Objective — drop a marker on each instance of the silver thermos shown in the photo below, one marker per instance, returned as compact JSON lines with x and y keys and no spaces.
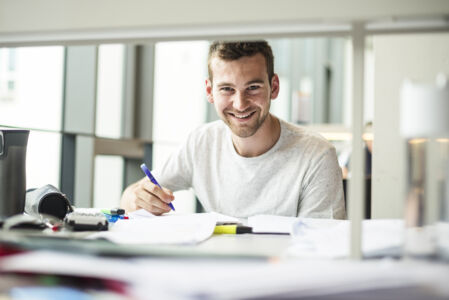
{"x":425,"y":127}
{"x":13,"y":146}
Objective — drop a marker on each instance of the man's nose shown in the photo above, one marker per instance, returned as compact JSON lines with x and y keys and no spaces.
{"x":240,"y":102}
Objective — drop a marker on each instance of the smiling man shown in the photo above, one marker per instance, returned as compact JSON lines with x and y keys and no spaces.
{"x":250,"y":162}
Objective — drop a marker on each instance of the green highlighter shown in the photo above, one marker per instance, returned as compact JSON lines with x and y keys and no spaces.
{"x":113,"y":211}
{"x":232,"y":229}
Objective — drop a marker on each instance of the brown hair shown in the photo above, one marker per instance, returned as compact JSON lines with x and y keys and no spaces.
{"x":236,"y":50}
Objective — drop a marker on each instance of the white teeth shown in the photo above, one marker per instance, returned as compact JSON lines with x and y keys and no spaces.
{"x":242,"y":117}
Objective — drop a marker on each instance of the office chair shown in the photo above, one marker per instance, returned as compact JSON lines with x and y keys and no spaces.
{"x":367,"y":196}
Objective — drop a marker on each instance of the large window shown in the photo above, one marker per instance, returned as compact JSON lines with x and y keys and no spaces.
{"x":110,"y":83}
{"x":31,"y":88}
{"x":313,"y":74}
{"x":179,"y":101}
{"x":31,"y":85}
{"x":108,"y":177}
{"x":108,"y":181}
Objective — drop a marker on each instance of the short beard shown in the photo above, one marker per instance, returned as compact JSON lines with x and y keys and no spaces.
{"x":246,"y":131}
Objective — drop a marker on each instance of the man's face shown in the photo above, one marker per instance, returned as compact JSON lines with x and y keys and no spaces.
{"x":241,"y":92}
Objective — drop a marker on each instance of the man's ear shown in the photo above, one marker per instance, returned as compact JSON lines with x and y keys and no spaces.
{"x":209,"y":95}
{"x":274,"y":86}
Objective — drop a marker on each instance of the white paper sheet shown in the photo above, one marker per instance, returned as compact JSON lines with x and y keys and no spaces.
{"x":329,"y":238}
{"x":140,"y":213}
{"x":162,"y":230}
{"x":320,"y":238}
{"x":271,"y":224}
{"x":220,"y":218}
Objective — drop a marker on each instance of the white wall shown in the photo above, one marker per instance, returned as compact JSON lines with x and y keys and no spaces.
{"x":418,"y":57}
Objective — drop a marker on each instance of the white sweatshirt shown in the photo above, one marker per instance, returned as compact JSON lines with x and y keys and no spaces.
{"x":298,"y":176}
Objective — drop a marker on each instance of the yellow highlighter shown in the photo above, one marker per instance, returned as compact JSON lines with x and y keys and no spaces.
{"x":232,"y":229}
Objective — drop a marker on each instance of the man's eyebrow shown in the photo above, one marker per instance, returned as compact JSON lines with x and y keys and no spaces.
{"x":220,"y":84}
{"x":255,"y":81}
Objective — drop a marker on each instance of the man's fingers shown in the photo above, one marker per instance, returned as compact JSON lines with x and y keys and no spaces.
{"x":164,"y":194}
{"x":167,"y":191}
{"x":144,"y":197}
{"x":151,"y":197}
{"x":154,"y":206}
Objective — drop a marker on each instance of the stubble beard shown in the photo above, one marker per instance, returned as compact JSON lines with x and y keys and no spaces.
{"x":245,"y":130}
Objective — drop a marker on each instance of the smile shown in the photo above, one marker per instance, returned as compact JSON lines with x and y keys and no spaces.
{"x":242,"y":116}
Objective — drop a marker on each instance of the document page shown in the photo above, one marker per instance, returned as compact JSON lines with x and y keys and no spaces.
{"x":329,"y":238}
{"x":271,"y":224}
{"x":173,"y":228}
{"x":161,"y":230}
{"x":220,"y":218}
{"x":321,"y":238}
{"x":140,"y":213}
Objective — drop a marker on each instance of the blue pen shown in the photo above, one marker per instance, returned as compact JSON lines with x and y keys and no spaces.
{"x":153,"y":180}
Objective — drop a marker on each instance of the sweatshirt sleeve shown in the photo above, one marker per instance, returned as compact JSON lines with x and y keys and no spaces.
{"x":322,"y":194}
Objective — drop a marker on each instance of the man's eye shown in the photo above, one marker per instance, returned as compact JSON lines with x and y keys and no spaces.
{"x":226,"y":89}
{"x":253,"y":87}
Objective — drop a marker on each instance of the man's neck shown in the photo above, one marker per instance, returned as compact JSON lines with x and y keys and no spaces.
{"x":262,"y":141}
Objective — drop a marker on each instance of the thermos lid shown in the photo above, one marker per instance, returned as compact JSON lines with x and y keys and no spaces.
{"x":12,"y":137}
{"x":3,"y":128}
{"x":424,"y":109}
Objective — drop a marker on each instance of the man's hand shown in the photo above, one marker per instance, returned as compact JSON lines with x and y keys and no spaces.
{"x":147,"y":195}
